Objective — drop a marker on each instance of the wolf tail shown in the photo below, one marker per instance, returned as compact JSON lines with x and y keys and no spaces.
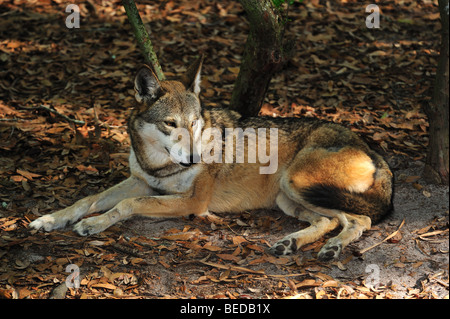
{"x":375,"y":203}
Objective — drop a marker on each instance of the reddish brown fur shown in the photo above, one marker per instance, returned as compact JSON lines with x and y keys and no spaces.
{"x":347,"y":168}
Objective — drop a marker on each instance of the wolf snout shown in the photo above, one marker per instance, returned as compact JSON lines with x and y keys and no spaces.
{"x":189,"y":162}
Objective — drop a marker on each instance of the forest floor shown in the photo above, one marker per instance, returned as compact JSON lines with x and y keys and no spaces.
{"x":374,"y":81}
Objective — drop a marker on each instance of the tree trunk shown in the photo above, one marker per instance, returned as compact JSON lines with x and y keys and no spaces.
{"x":263,"y":56}
{"x":144,"y":42}
{"x":437,"y":165}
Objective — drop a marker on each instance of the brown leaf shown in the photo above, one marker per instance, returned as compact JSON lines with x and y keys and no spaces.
{"x":27,"y":175}
{"x":18,"y":178}
{"x":87,"y":169}
{"x":412,"y":179}
{"x":396,"y":238}
{"x":180,"y":236}
{"x":136,"y":260}
{"x":229,"y":257}
{"x":211,"y":247}
{"x":307,"y":283}
{"x":104,"y":286}
{"x":330,"y":283}
{"x":237,"y":240}
{"x":166,"y":265}
{"x":277,"y":260}
{"x":234,"y":70}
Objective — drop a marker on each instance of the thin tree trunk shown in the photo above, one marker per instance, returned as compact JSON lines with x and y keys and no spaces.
{"x":263,"y":56}
{"x":437,"y":161}
{"x":145,"y":44}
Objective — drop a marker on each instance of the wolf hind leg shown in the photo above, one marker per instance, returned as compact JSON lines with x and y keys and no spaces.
{"x":319,"y":226}
{"x":131,"y":187}
{"x":348,"y":169}
{"x":352,"y":228}
{"x":351,"y":231}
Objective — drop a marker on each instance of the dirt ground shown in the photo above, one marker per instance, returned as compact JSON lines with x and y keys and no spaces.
{"x":412,"y":263}
{"x":373,"y":81}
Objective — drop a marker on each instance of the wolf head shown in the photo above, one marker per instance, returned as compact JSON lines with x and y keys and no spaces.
{"x":168,"y":118}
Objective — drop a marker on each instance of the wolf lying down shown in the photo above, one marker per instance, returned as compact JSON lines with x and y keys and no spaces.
{"x":325,"y":175}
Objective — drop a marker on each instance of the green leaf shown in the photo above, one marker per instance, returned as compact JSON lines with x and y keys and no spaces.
{"x":279,"y":3}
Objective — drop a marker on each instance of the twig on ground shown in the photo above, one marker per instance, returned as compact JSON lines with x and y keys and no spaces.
{"x":43,"y":107}
{"x":387,"y":238}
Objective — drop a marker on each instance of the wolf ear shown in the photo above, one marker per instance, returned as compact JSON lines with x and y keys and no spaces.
{"x":146,"y":85}
{"x":191,"y":79}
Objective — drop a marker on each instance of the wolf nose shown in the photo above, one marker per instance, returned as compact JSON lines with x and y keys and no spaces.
{"x":191,"y":161}
{"x":185,"y":164}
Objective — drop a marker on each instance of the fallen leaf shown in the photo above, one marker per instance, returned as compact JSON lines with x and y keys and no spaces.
{"x":330,"y":283}
{"x":18,"y":178}
{"x":87,"y":169}
{"x":180,"y":236}
{"x":412,"y":179}
{"x":21,"y":264}
{"x":307,"y":283}
{"x":426,"y":193}
{"x":211,"y":247}
{"x":277,"y":260}
{"x":396,"y":238}
{"x":241,"y":223}
{"x":104,"y":286}
{"x":27,"y":175}
{"x":234,"y":70}
{"x":229,"y":257}
{"x":237,"y":240}
{"x":136,"y":260}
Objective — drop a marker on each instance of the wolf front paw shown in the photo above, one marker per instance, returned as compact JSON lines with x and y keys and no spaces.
{"x":331,"y":250}
{"x":283,"y":247}
{"x":47,"y":222}
{"x":88,"y":226}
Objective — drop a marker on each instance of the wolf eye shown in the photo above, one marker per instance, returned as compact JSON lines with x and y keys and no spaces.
{"x":170,"y":123}
{"x":194,"y":123}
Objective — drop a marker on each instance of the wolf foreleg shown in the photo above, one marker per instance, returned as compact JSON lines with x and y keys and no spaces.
{"x":151,"y":206}
{"x":131,"y":187}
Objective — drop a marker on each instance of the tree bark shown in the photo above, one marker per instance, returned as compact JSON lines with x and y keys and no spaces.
{"x":437,"y":161}
{"x":144,"y":42}
{"x":263,"y":55}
